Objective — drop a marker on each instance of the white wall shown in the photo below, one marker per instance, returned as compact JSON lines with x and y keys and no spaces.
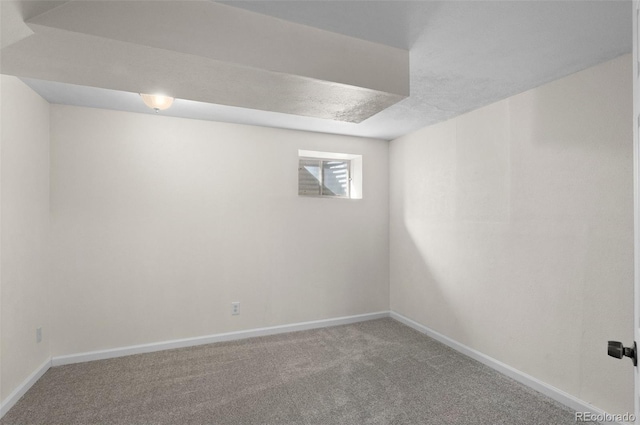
{"x":512,"y":231}
{"x":160,"y":223}
{"x":25,"y":286}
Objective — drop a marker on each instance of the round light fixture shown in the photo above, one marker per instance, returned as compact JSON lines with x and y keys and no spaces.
{"x":157,"y":102}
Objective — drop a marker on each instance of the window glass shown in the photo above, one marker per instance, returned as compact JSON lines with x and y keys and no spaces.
{"x":335,"y":178}
{"x":309,"y":177}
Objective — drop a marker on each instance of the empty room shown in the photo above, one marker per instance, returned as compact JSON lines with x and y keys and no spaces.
{"x":319,"y":212}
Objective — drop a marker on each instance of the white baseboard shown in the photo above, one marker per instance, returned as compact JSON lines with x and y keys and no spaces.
{"x":208,"y":339}
{"x":534,"y":383}
{"x":23,"y":388}
{"x":13,"y":398}
{"x":528,"y":380}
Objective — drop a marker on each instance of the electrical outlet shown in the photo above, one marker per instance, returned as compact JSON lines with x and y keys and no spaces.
{"x":235,"y":308}
{"x":38,"y":335}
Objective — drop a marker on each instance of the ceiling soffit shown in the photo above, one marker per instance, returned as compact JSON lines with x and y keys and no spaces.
{"x":210,"y":52}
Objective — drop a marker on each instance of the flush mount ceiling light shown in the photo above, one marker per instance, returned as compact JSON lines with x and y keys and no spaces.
{"x":157,"y":102}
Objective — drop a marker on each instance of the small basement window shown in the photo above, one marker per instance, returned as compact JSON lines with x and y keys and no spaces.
{"x":324,"y":177}
{"x":325,"y":174}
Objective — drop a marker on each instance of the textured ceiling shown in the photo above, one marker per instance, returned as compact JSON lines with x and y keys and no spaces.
{"x":213,"y":53}
{"x":463,"y":55}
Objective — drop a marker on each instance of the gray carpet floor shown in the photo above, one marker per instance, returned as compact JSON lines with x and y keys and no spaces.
{"x":375,"y":372}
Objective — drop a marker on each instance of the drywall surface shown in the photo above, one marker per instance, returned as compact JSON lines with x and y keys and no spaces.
{"x":24,"y":240}
{"x":511,"y":231}
{"x":160,"y":223}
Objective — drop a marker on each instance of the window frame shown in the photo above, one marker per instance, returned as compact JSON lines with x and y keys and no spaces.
{"x":321,"y":162}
